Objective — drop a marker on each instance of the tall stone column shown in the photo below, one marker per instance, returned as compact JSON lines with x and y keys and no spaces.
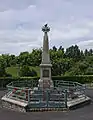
{"x":45,"y":66}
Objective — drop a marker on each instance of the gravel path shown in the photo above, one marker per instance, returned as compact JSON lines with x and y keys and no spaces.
{"x":85,"y":113}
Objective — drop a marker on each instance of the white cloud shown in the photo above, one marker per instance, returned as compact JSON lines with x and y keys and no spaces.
{"x":16,"y":41}
{"x":69,"y":34}
{"x":14,"y":4}
{"x":21,"y":21}
{"x":86,"y":44}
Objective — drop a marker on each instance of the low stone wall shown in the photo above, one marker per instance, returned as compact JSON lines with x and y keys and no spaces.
{"x":12,"y":106}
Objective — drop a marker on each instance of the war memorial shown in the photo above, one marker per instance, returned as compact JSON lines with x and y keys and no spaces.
{"x":46,"y":95}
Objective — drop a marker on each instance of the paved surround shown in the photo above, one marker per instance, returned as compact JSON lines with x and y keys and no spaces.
{"x":84,"y":113}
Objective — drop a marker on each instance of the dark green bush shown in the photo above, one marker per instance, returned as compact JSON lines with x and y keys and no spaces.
{"x":26,"y":71}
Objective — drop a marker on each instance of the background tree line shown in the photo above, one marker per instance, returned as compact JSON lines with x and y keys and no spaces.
{"x":71,"y":61}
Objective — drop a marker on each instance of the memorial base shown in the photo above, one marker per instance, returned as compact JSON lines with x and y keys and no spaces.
{"x":45,"y":84}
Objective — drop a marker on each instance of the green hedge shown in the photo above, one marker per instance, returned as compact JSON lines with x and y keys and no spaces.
{"x":6,"y":80}
{"x":81,"y":79}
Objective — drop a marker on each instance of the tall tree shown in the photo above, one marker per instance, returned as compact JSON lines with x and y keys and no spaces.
{"x":86,"y":52}
{"x":54,"y":48}
{"x":90,"y":52}
{"x":73,"y":52}
{"x":3,"y":65}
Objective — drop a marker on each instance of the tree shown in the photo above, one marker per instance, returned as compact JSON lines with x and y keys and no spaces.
{"x":36,"y":57}
{"x":22,"y":58}
{"x":3,"y":65}
{"x":26,"y":71}
{"x":82,"y":66}
{"x":61,"y":48}
{"x":73,"y":61}
{"x":82,"y":55}
{"x":90,"y":52}
{"x":54,"y":48}
{"x":78,"y":68}
{"x":89,"y":71}
{"x":13,"y":60}
{"x":60,"y":66}
{"x":86,"y":53}
{"x":73,"y":52}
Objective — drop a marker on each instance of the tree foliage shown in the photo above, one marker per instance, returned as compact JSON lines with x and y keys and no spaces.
{"x":71,"y":61}
{"x":26,"y":71}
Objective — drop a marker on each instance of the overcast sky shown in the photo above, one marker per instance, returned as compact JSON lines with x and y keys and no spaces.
{"x":71,"y":22}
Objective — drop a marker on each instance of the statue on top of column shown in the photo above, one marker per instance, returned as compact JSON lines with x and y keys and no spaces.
{"x":45,"y":28}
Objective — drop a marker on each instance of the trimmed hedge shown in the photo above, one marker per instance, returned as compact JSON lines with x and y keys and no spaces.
{"x":6,"y":80}
{"x":81,"y":79}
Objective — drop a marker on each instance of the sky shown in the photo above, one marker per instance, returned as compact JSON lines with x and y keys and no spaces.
{"x":70,"y":21}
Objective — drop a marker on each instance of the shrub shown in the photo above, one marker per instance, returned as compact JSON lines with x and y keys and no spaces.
{"x":26,"y":71}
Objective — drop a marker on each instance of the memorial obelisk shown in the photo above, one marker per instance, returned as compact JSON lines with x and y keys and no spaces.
{"x":45,"y":81}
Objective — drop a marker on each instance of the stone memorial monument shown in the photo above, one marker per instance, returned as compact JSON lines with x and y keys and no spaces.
{"x":46,"y":96}
{"x":45,"y":80}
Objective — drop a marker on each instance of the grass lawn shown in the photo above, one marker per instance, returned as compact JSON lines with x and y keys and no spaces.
{"x":14,"y":70}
